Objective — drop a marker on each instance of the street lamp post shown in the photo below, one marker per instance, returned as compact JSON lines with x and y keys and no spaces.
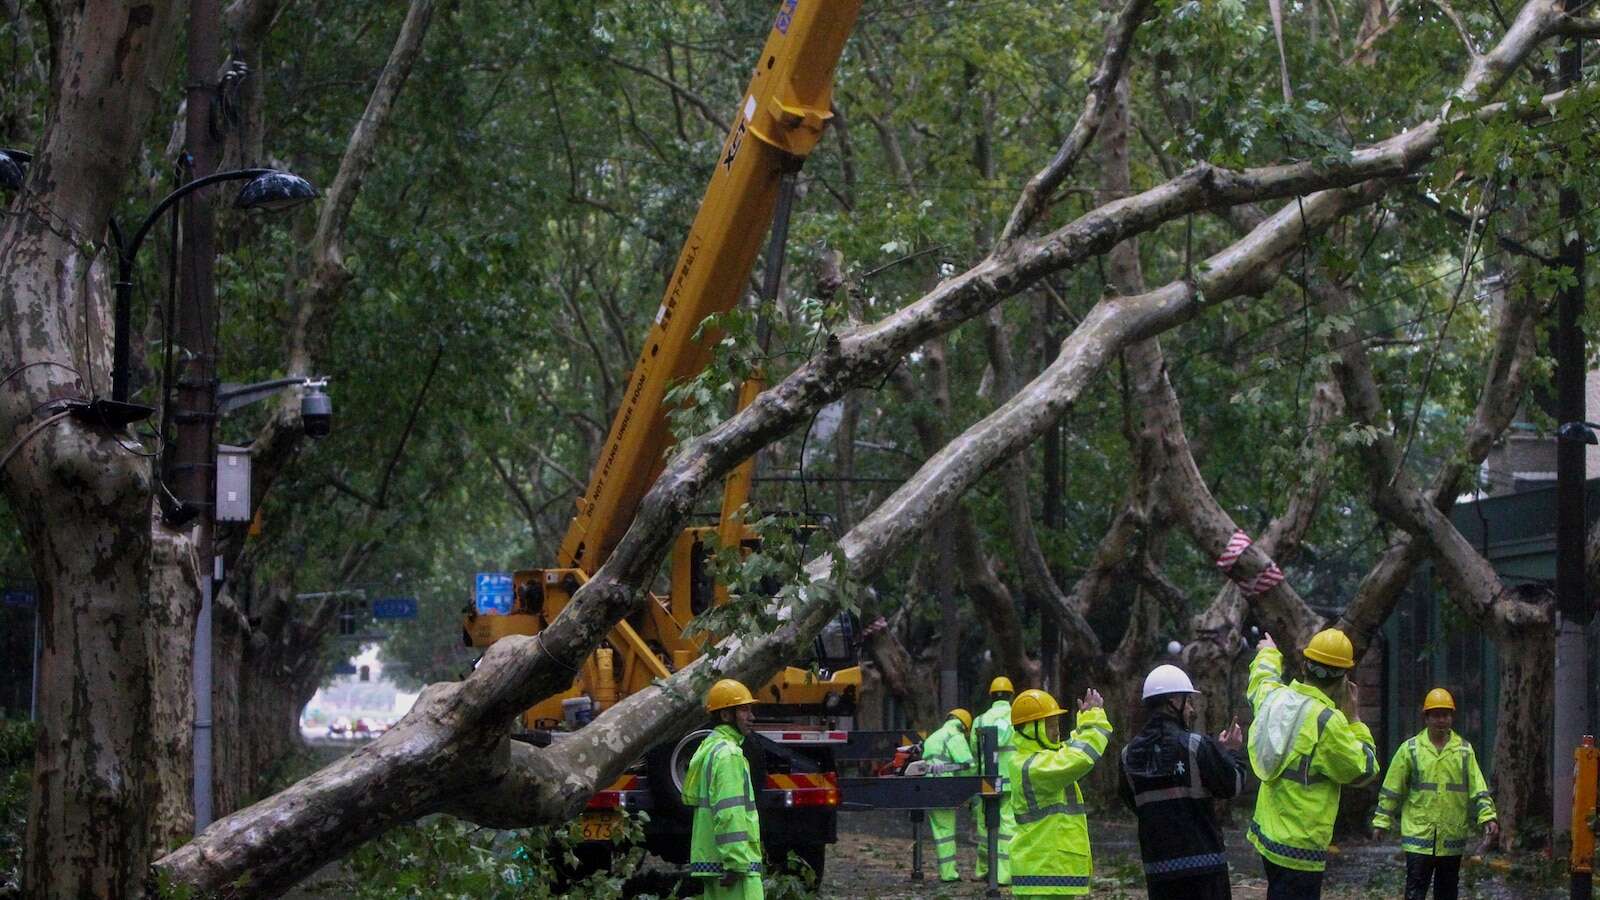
{"x":316,"y":410}
{"x":266,"y":189}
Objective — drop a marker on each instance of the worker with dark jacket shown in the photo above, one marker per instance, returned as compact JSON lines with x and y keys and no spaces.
{"x":1170,"y":776}
{"x":725,"y":845}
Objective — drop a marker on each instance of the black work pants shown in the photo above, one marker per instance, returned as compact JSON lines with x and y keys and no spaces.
{"x":1210,"y":886}
{"x":1291,"y":884}
{"x":1443,"y":872}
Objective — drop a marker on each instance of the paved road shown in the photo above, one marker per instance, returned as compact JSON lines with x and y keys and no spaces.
{"x":872,"y":861}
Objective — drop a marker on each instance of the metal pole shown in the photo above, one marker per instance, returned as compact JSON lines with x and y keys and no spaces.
{"x":1573,"y":611}
{"x":33,"y":701}
{"x":121,"y":322}
{"x":197,"y":387}
{"x":989,"y":749}
{"x":916,"y":843}
{"x":202,"y":689}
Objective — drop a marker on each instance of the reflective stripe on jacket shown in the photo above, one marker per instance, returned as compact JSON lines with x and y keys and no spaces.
{"x":1302,"y":748}
{"x":947,"y":747}
{"x":1440,"y":795}
{"x":727,"y":830}
{"x":1050,"y":851}
{"x":1170,"y":778}
{"x":998,"y":715}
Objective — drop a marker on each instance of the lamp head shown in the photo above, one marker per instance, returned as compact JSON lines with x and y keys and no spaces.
{"x":1582,"y":432}
{"x":13,"y":169}
{"x":316,"y":409}
{"x":275,"y":191}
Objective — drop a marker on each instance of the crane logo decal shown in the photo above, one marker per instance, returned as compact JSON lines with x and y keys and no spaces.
{"x":785,"y":16}
{"x":733,"y":145}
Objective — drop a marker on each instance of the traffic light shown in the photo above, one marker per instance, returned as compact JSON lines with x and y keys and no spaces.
{"x":351,"y":614}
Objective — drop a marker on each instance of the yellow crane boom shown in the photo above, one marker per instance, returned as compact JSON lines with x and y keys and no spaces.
{"x":778,"y":122}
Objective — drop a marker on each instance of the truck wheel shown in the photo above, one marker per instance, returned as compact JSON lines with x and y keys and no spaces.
{"x":666,"y":765}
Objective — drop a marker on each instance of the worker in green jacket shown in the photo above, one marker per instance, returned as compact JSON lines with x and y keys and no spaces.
{"x":1306,"y":741}
{"x":946,"y":749}
{"x":1436,"y":789}
{"x":725,"y":846}
{"x":998,"y":716}
{"x":1050,"y":851}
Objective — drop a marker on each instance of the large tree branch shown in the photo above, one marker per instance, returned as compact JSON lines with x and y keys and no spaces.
{"x":962,"y":551}
{"x":1423,"y":514}
{"x":360,"y":151}
{"x":1041,"y":188}
{"x":1183,"y":489}
{"x":279,"y":439}
{"x":1580,"y":26}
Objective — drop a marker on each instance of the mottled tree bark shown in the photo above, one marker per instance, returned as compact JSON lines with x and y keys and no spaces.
{"x":1522,"y":626}
{"x":1523,"y":722}
{"x":81,"y":499}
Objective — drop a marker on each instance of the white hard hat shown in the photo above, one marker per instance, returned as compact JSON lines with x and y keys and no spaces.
{"x":1167,"y":680}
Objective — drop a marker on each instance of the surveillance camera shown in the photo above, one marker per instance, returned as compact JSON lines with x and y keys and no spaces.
{"x":316,"y":410}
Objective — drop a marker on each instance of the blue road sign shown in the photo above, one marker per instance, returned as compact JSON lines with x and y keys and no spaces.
{"x":22,"y":599}
{"x":394,"y":608}
{"x":492,"y":593}
{"x":344,"y":668}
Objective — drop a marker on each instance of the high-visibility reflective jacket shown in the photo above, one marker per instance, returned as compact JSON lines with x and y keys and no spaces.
{"x":1050,"y":852}
{"x":947,"y":747}
{"x":727,"y":831}
{"x":999,"y":716}
{"x":1440,"y":796}
{"x":1302,"y":748}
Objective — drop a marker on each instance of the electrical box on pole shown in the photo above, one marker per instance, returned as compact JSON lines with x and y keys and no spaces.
{"x":233,"y":483}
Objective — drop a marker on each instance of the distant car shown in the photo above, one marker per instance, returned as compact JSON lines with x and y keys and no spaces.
{"x":379,"y":726}
{"x":363,"y":728}
{"x":339,"y":727}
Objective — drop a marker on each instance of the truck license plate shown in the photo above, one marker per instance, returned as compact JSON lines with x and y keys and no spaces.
{"x":598,"y":826}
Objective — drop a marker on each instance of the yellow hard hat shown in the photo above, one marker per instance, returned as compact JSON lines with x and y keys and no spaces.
{"x":1438,"y":698}
{"x":1001,"y":684}
{"x":1032,"y":705}
{"x":1331,"y":648}
{"x":727,"y":694}
{"x":963,"y":716}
